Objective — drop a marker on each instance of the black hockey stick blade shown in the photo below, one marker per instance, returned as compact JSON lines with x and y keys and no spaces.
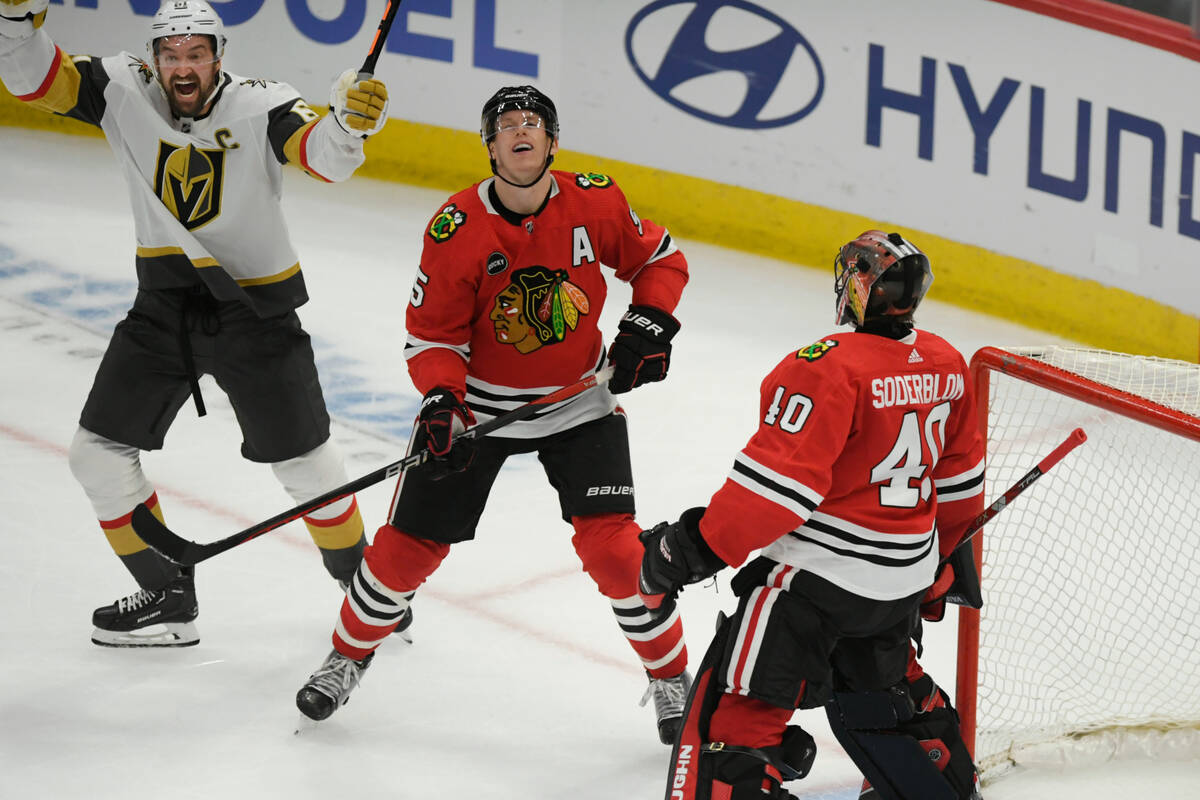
{"x":381,"y":33}
{"x":1076,"y":438}
{"x":188,"y":553}
{"x":159,"y":537}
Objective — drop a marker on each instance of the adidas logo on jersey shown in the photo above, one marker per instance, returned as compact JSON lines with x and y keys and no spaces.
{"x":914,"y":357}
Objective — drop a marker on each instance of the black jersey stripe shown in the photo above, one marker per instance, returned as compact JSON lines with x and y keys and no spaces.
{"x":872,"y":558}
{"x":961,"y":486}
{"x":774,"y":487}
{"x":850,"y":538}
{"x":663,"y":246}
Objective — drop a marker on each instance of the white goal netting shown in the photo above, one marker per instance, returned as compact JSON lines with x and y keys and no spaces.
{"x":1089,"y":639}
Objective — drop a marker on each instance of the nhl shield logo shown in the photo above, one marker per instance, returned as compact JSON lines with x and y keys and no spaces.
{"x":188,"y":182}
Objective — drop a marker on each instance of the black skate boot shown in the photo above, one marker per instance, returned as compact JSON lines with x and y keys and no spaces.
{"x":328,"y":689}
{"x":150,"y":619}
{"x":670,"y":696}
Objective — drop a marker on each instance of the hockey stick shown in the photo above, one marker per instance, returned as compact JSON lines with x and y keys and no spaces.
{"x":1076,"y":438}
{"x":385,"y":25}
{"x":189,"y":553}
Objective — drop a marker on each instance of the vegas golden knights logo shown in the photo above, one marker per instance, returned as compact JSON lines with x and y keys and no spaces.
{"x":188,"y":181}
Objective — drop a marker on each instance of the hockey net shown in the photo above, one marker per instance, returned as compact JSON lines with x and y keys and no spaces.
{"x":1088,"y":644}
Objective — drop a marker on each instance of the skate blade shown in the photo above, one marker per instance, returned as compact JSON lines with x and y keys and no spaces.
{"x":169,"y":634}
{"x":305,"y":723}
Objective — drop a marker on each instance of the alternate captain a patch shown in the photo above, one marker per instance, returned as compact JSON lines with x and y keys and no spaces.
{"x":816,"y":350}
{"x":446,"y":223}
{"x":188,"y":181}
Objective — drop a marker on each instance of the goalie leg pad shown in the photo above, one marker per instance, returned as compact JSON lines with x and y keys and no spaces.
{"x":703,"y":770}
{"x":904,"y":753}
{"x":729,"y":772}
{"x":935,"y":725}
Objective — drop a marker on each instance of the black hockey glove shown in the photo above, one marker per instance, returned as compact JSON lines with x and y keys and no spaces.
{"x":957,"y":582}
{"x":676,"y":555}
{"x":443,"y":416}
{"x":641,"y":352}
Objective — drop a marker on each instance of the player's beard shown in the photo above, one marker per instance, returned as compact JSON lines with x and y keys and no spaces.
{"x":192,"y":103}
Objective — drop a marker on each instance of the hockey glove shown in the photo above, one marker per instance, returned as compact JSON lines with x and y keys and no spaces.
{"x":676,"y":555}
{"x":20,"y":18}
{"x":443,"y":416}
{"x":641,"y":352}
{"x":360,"y":107}
{"x":957,"y":582}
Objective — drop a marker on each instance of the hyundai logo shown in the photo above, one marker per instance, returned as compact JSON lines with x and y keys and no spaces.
{"x":708,"y":70}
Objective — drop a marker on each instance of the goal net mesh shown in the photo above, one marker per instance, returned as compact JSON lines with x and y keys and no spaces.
{"x":1089,"y":638}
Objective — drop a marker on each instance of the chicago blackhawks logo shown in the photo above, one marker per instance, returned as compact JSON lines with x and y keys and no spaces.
{"x":593,"y":180}
{"x":446,"y":223}
{"x":537,"y":308}
{"x":816,"y":350}
{"x":188,"y":181}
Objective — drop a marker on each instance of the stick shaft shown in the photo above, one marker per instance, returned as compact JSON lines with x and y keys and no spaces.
{"x":1076,"y":438}
{"x":182,"y":551}
{"x":381,"y":33}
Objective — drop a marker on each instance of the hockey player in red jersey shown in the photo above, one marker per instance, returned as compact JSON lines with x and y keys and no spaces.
{"x":864,"y":472}
{"x":202,"y":151}
{"x":505,"y":308}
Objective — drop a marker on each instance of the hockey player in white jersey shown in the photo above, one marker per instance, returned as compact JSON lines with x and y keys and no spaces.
{"x":202,"y":152}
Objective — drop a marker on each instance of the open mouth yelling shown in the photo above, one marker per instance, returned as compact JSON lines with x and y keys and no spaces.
{"x":187,"y":90}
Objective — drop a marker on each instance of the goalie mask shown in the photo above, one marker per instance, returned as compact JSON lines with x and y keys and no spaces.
{"x":539,"y":113}
{"x":185,"y":18}
{"x":879,"y":275}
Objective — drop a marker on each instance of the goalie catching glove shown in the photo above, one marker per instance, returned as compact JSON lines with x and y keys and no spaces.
{"x":641,"y":352}
{"x":20,"y":18}
{"x":359,"y":106}
{"x":443,"y":416}
{"x":676,"y":555}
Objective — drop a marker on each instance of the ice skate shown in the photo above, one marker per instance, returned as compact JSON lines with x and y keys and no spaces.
{"x":150,"y":619}
{"x":328,"y":689}
{"x":670,"y":696}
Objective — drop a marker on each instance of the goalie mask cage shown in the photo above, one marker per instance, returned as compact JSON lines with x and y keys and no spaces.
{"x":1088,"y":644}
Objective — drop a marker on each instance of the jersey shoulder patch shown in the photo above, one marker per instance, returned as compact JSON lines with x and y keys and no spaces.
{"x":817,"y":350}
{"x":141,"y":69}
{"x":446,"y":222}
{"x":593,"y":180}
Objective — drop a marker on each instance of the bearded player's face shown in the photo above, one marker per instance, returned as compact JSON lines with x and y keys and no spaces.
{"x":188,"y":69}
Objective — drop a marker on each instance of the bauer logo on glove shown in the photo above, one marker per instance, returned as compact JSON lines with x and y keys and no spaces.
{"x":359,"y":104}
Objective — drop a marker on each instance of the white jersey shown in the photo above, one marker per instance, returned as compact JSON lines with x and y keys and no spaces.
{"x":205,"y":191}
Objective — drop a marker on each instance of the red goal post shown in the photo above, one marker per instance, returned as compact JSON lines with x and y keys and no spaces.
{"x":1088,"y":644}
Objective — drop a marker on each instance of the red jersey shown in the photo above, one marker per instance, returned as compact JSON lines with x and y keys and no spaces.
{"x":506,"y":308}
{"x":866,"y":448}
